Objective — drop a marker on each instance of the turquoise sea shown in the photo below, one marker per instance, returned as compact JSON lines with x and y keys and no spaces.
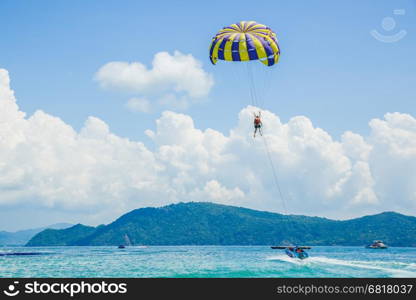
{"x":206,"y":261}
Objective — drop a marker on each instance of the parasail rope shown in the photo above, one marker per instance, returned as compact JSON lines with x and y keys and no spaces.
{"x":276,"y":179}
{"x":255,"y":102}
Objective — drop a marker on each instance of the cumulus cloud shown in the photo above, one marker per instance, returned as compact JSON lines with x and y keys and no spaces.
{"x":98,"y":175}
{"x":172,"y":79}
{"x":215,"y":192}
{"x":393,"y":159}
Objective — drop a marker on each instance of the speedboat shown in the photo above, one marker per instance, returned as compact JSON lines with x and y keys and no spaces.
{"x":294,"y":251}
{"x":377,"y":245}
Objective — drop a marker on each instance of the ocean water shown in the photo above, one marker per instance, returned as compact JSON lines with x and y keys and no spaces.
{"x":206,"y":261}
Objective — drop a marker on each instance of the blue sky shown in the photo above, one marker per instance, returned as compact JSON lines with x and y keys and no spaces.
{"x":331,"y":70}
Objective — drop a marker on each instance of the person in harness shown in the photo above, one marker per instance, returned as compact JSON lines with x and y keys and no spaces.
{"x":257,"y":124}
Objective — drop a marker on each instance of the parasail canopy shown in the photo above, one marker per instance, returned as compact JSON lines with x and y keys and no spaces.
{"x":245,"y":41}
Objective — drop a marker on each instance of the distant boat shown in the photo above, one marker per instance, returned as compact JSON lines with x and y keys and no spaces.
{"x":127,"y":242}
{"x":377,"y":245}
{"x":20,"y":253}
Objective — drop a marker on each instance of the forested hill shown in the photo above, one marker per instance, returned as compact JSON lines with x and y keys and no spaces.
{"x":202,"y":223}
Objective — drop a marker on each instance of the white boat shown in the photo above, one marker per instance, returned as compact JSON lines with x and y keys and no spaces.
{"x":377,"y":245}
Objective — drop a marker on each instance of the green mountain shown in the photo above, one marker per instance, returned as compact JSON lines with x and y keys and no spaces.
{"x":61,"y":237}
{"x":21,"y":237}
{"x":200,"y":223}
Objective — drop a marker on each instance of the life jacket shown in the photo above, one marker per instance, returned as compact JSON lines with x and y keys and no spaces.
{"x":257,"y":121}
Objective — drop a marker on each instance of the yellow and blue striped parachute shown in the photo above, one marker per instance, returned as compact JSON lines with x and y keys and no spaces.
{"x":244,"y":41}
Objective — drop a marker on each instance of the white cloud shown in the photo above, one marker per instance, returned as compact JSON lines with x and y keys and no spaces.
{"x":214,"y":191}
{"x":355,"y":146}
{"x":173,"y":80}
{"x":44,"y":162}
{"x":393,"y":160}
